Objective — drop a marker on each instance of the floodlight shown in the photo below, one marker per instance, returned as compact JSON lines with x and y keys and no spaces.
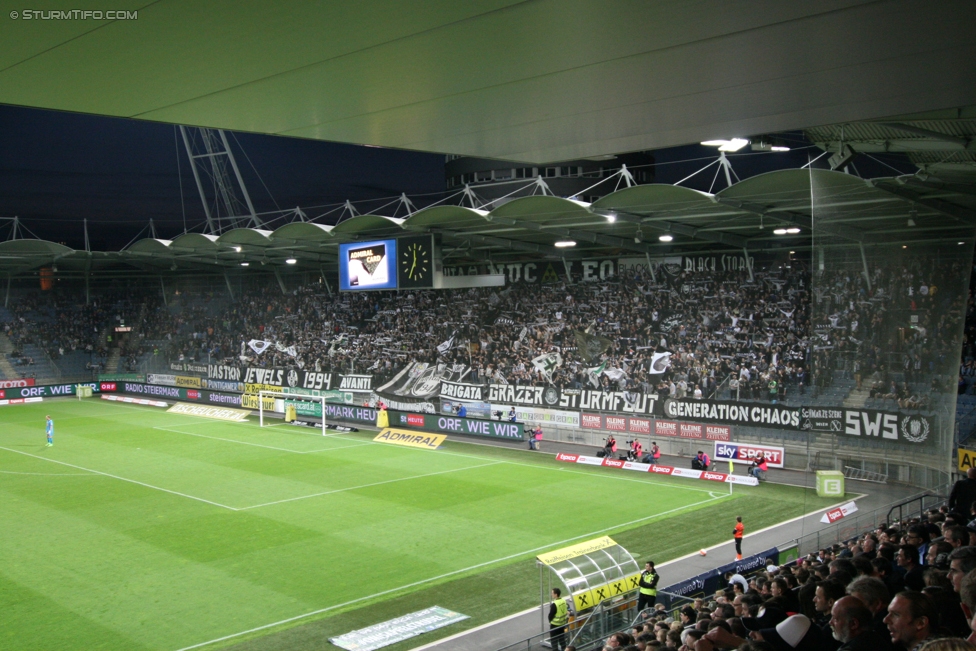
{"x":291,"y":261}
{"x":665,"y":238}
{"x":562,"y":244}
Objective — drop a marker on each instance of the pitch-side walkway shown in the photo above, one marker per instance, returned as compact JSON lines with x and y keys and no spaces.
{"x":521,"y":626}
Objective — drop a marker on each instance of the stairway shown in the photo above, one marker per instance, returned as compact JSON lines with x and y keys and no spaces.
{"x":857,"y":398}
{"x":112,"y":364}
{"x":6,"y":368}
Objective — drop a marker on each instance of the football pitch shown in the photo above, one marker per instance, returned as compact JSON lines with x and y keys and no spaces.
{"x":141,"y":529}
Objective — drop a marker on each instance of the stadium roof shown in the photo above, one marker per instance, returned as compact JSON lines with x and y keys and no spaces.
{"x":536,"y":81}
{"x":625,"y":222}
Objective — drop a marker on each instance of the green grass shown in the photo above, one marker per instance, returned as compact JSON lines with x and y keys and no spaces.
{"x":141,"y":529}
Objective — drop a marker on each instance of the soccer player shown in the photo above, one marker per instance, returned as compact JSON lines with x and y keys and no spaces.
{"x":49,"y":427}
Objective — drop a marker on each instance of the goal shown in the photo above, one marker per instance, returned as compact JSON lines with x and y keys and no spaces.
{"x":311,"y":406}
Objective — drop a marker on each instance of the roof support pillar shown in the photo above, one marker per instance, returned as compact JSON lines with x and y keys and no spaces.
{"x":650,"y":267}
{"x":864,"y":261}
{"x":6,"y":300}
{"x":569,"y":276}
{"x":230,"y":288}
{"x":325,"y":281}
{"x":745,"y":254}
{"x":281,"y":281}
{"x":162,"y":286}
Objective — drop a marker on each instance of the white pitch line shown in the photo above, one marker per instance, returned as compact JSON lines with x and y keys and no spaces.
{"x":659,"y":565}
{"x":378,"y":483}
{"x":259,"y":445}
{"x":126,"y":479}
{"x":442,"y":576}
{"x":49,"y":474}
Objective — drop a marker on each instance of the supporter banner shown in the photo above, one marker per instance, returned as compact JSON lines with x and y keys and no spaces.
{"x":396,"y":630}
{"x":658,"y":470}
{"x":222,"y":372}
{"x":907,"y":428}
{"x":822,"y":419}
{"x":966,"y":460}
{"x":362,"y":383}
{"x":542,"y":416}
{"x":459,"y":391}
{"x":217,"y":413}
{"x":469,"y":426}
{"x":625,"y":401}
{"x":276,"y":377}
{"x":222,"y":385}
{"x":747,"y":453}
{"x":187,"y":382}
{"x":410,"y":439}
{"x":708,"y":582}
{"x":743,"y":413}
{"x":188,"y":367}
{"x":910,"y":427}
{"x":472,"y":409}
{"x":514,"y":394}
{"x":13,"y":384}
{"x":166,"y":380}
{"x":423,"y":380}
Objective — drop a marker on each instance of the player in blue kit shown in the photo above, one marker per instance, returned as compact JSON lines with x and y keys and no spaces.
{"x":49,"y":427}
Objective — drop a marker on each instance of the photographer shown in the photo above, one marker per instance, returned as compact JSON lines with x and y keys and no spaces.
{"x":636,"y":449}
{"x":609,"y":447}
{"x":701,"y":462}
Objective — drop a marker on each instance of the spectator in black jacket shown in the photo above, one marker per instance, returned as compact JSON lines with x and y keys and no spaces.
{"x":963,"y":493}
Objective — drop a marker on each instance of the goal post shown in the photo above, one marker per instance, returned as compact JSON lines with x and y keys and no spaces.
{"x":305,"y":405}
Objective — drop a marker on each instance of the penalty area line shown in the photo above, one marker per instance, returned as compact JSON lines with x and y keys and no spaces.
{"x":126,"y":479}
{"x":437,"y":578}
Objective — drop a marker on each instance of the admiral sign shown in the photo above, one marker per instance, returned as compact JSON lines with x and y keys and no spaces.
{"x":748,"y":453}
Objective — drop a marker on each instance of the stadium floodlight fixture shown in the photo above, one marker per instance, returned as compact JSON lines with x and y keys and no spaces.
{"x":793,"y":230}
{"x":237,"y":248}
{"x":735,"y":144}
{"x":779,"y":231}
{"x":665,"y":238}
{"x":291,"y":261}
{"x":611,"y":217}
{"x":563,"y":244}
{"x":245,"y":264}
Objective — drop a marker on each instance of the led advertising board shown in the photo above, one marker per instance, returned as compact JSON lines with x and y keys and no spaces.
{"x":367,"y":266}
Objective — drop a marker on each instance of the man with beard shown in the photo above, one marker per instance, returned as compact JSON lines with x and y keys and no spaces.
{"x":850,"y":624}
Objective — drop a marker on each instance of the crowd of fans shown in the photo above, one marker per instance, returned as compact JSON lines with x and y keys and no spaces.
{"x":733,"y":334}
{"x":907,"y":586}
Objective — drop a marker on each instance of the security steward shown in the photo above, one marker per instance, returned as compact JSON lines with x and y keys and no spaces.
{"x":558,"y":618}
{"x":648,"y":587}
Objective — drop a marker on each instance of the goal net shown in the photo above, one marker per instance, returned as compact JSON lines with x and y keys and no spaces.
{"x":307,"y":407}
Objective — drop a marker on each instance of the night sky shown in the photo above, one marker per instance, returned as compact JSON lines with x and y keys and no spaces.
{"x":57,"y":169}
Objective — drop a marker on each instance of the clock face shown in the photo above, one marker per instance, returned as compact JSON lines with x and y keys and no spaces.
{"x":415,"y":263}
